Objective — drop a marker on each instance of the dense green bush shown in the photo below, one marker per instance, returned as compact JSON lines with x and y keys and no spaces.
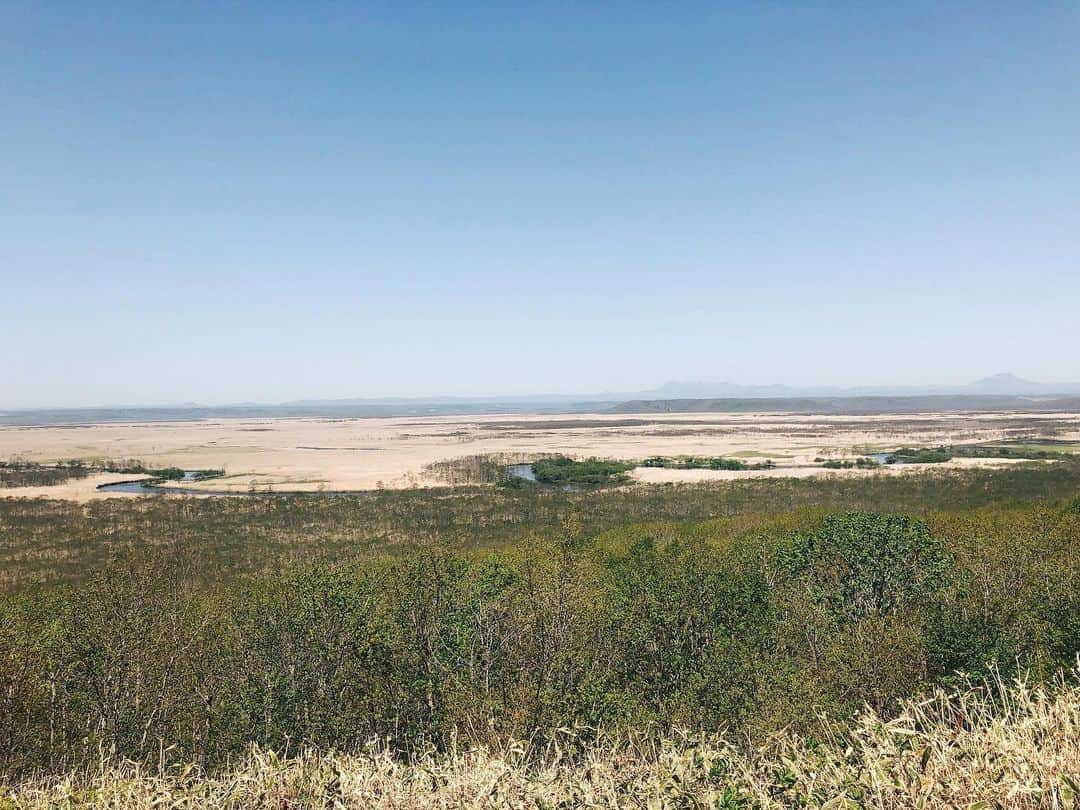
{"x":649,"y":626}
{"x":167,"y":474}
{"x":695,"y":463}
{"x":866,"y":564}
{"x":560,"y":470}
{"x":1016,"y":449}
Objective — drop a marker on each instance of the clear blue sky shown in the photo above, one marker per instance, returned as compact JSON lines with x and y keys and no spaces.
{"x":223,"y":202}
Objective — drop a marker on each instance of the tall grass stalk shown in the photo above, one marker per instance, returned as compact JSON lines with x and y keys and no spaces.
{"x":992,"y":744}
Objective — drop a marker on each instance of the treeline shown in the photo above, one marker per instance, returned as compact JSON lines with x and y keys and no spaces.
{"x":704,"y":463}
{"x":646,"y":628}
{"x":1017,"y":450}
{"x":861,"y":463}
{"x":922,"y":455}
{"x":136,"y":467}
{"x":30,"y":474}
{"x":165,"y":474}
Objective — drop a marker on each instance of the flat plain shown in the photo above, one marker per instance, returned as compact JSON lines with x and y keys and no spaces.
{"x":352,"y":454}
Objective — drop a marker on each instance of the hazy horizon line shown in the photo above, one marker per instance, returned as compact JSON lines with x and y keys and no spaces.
{"x":602,"y":396}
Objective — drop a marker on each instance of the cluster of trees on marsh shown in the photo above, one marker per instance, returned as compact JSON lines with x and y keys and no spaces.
{"x":490,"y":468}
{"x":553,"y":469}
{"x":562,"y":471}
{"x":31,"y":474}
{"x":939,"y":455}
{"x":919,"y":455}
{"x":130,"y":466}
{"x":700,"y":463}
{"x":17,"y":473}
{"x":1035,"y":450}
{"x":743,"y":627}
{"x":861,"y":463}
{"x":166,"y":474}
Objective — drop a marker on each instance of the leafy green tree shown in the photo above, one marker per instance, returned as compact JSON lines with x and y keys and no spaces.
{"x":686,"y":631}
{"x":863,"y":563}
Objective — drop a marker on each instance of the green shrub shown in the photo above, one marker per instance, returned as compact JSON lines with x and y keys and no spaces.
{"x":695,"y":463}
{"x":862,"y":564}
{"x":561,"y":470}
{"x":908,"y":455}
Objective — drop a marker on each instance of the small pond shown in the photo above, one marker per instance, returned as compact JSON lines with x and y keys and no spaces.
{"x":524,"y":471}
{"x":136,"y":487}
{"x":883,"y":458}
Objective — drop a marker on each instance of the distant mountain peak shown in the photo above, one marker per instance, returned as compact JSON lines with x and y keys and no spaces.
{"x":1007,"y":383}
{"x":1006,"y":377}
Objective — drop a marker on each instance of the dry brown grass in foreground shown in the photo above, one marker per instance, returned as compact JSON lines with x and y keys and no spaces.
{"x":998,"y":745}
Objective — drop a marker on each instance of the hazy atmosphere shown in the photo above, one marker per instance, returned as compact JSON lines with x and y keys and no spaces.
{"x":295,"y":201}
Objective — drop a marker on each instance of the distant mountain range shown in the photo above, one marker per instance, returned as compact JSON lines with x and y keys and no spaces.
{"x":999,"y":392}
{"x":999,"y":384}
{"x":1011,"y":384}
{"x":929,"y":403}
